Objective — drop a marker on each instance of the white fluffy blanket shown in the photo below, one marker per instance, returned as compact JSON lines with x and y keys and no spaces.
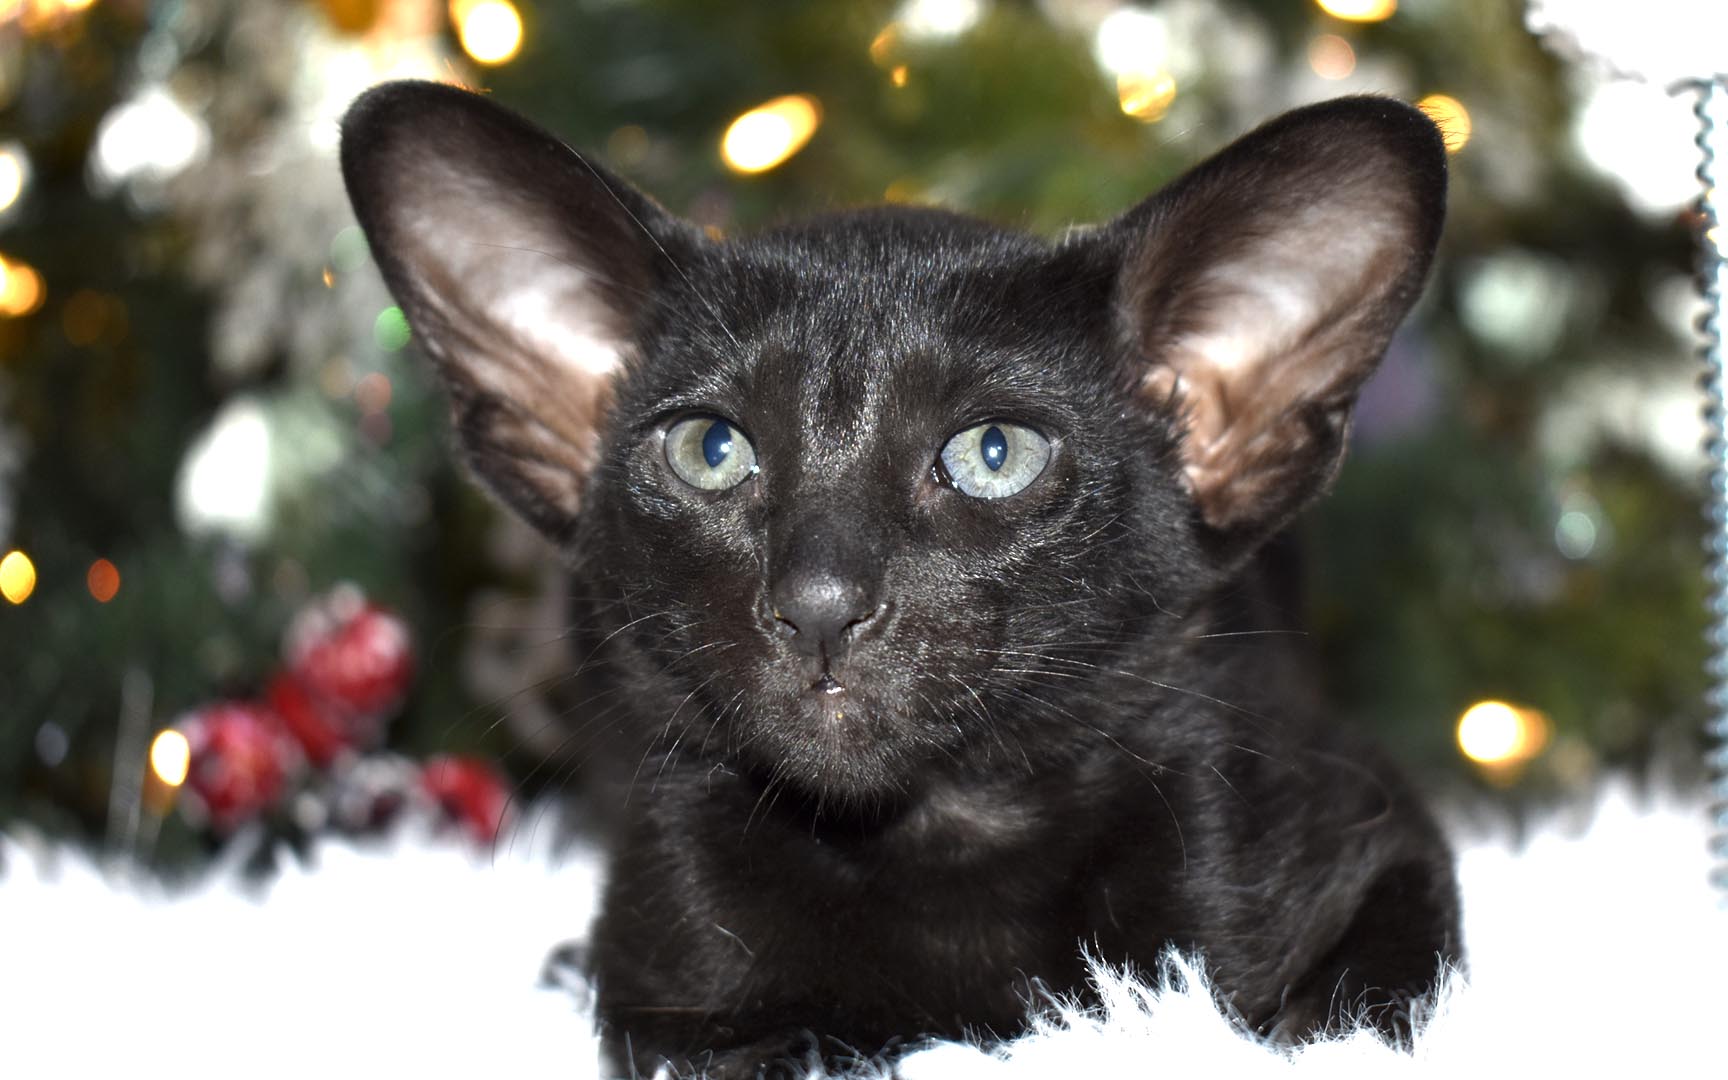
{"x":1596,"y":949}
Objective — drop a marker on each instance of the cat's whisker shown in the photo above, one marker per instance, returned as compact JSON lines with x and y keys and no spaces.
{"x":555,"y":755}
{"x":540,"y":685}
{"x":600,"y":178}
{"x":672,"y":720}
{"x":1134,"y":675}
{"x":719,"y":716}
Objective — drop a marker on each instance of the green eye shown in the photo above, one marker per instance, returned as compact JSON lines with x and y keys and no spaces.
{"x":709,"y":453}
{"x":995,"y":460}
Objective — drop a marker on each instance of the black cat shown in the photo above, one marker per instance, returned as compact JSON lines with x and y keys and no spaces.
{"x":924,"y":561}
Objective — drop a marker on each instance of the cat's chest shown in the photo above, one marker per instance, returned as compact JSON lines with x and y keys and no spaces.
{"x":971,"y":886}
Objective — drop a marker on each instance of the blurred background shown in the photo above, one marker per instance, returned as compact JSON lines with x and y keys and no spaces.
{"x":229,"y":509}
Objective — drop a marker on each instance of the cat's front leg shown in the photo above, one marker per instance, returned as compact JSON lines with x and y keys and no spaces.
{"x":1386,"y":960}
{"x":708,"y":1048}
{"x":647,"y":1043}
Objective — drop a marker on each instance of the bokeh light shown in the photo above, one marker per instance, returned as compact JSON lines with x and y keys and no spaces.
{"x":770,"y":133}
{"x":938,"y":20}
{"x":390,"y":329}
{"x":170,"y":757}
{"x":17,"y":577}
{"x":1450,"y":116}
{"x":1358,"y":10}
{"x":1575,"y":534}
{"x":372,"y":393}
{"x":103,"y":580}
{"x":21,"y":289}
{"x":1495,"y":734}
{"x":14,"y":174}
{"x":349,"y":250}
{"x":882,"y":46}
{"x":490,"y":30}
{"x":41,"y":16}
{"x":1331,"y":57}
{"x":224,"y":481}
{"x":151,"y":137}
{"x":1145,"y":96}
{"x":1131,"y":40}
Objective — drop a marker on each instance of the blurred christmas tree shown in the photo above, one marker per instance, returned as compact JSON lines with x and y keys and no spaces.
{"x":210,"y":412}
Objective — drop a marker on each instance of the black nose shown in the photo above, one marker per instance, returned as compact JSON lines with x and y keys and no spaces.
{"x":822,"y":610}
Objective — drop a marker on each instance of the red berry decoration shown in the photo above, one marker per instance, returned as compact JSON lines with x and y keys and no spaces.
{"x":349,"y":666}
{"x":240,"y":761}
{"x":470,"y":792}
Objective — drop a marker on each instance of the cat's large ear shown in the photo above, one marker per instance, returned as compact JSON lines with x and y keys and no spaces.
{"x":524,"y":270}
{"x":1261,"y":288}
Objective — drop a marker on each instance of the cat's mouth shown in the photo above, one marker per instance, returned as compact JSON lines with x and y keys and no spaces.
{"x":835,"y":707}
{"x":836,"y":736}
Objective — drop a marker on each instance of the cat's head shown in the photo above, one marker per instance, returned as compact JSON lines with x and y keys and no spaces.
{"x":892,"y":487}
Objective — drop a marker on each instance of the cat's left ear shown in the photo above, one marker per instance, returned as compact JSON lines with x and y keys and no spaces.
{"x":1260,"y":291}
{"x":526,"y":272}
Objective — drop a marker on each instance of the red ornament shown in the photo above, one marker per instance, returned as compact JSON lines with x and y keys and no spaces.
{"x":320,"y":730}
{"x":241,"y":760}
{"x":349,"y":666}
{"x":470,"y":792}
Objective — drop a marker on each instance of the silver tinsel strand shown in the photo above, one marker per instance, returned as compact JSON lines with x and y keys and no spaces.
{"x":1711,"y":108}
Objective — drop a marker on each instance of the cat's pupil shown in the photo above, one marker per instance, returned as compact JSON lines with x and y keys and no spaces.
{"x":716,"y":444}
{"x":994,"y":447}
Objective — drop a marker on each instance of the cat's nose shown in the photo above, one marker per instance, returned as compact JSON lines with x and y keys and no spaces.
{"x":821,"y":611}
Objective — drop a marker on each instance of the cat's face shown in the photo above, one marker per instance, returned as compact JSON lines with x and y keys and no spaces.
{"x":886,"y":488}
{"x":873,"y":484}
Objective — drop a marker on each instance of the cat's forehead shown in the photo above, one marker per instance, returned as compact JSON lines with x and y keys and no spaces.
{"x":875,"y":268}
{"x":853,"y":293}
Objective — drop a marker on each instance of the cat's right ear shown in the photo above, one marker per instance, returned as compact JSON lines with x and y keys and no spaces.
{"x":525,"y":273}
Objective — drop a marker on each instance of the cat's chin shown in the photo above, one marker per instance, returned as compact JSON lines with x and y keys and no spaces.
{"x":841,"y":750}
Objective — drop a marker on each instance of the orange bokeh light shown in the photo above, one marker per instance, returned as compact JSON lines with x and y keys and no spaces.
{"x":103,"y":580}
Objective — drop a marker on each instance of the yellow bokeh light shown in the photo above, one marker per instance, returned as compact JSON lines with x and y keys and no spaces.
{"x":170,"y":757}
{"x":1450,"y":116}
{"x":770,"y":133}
{"x":899,"y":76}
{"x":41,"y":15}
{"x":1494,"y":733}
{"x":1358,"y":10}
{"x":21,"y":290}
{"x":11,"y":177}
{"x":490,"y":30}
{"x":1145,"y":95}
{"x":17,"y":577}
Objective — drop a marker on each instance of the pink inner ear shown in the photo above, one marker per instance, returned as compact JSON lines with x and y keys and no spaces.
{"x":523,"y":269}
{"x":523,"y":320}
{"x":1281,"y":332}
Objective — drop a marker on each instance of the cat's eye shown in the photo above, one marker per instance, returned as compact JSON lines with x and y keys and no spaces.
{"x":709,"y":453}
{"x":995,"y":459}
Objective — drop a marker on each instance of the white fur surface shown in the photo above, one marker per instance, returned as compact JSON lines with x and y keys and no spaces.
{"x":1596,"y":949}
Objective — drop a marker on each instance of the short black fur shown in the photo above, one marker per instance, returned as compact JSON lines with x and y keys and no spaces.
{"x":899,"y":756}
